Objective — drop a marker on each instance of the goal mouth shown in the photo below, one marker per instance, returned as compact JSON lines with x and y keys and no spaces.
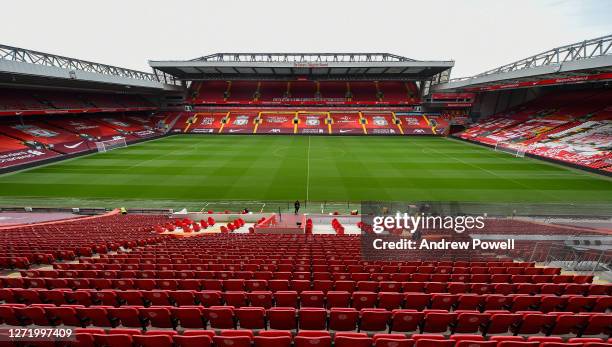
{"x":109,"y":145}
{"x":511,"y":148}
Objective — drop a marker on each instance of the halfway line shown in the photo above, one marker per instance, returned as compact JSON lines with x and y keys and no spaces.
{"x":308,"y":169}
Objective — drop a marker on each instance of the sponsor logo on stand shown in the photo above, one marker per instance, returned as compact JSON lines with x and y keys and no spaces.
{"x":74,"y":146}
{"x":35,"y":131}
{"x":241,"y":121}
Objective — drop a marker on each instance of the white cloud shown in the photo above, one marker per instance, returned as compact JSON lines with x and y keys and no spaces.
{"x":477,"y":34}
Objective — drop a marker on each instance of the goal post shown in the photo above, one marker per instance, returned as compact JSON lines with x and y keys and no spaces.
{"x":513,"y":149}
{"x":108,"y":145}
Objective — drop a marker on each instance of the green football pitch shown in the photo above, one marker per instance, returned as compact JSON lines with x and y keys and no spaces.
{"x":199,"y":171}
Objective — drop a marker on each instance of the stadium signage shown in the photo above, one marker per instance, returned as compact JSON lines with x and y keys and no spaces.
{"x":23,"y":156}
{"x":305,"y":101}
{"x":332,"y":100}
{"x":310,"y":65}
{"x":551,"y":81}
{"x":74,"y":111}
{"x":451,"y":104}
{"x":14,"y":156}
{"x":452,"y":96}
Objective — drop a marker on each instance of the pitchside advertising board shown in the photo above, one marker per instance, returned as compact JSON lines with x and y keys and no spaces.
{"x":414,"y":124}
{"x":315,"y":124}
{"x":346,"y":124}
{"x":276,"y":123}
{"x":240,"y":123}
{"x":381,"y":124}
{"x":205,"y":123}
{"x":26,"y":155}
{"x":439,"y":124}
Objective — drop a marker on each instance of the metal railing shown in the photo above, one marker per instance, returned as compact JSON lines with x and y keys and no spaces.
{"x":596,"y":47}
{"x":568,"y":258}
{"x":302,"y":57}
{"x":546,"y":213}
{"x":22,"y":55}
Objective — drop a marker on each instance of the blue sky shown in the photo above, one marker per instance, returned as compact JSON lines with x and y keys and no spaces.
{"x":477,"y":34}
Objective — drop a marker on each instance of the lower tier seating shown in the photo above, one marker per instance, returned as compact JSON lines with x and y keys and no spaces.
{"x":270,"y":290}
{"x":44,"y":244}
{"x":35,"y":138}
{"x":42,"y":100}
{"x":126,"y":337}
{"x":568,"y":126}
{"x":304,"y":92}
{"x":408,"y":321}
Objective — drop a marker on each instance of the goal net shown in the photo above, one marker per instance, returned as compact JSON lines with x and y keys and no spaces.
{"x":104,"y":146}
{"x":515,"y":150}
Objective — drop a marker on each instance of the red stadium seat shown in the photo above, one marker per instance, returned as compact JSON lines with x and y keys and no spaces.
{"x":417,"y":301}
{"x":277,"y":341}
{"x":312,"y":318}
{"x":251,"y":317}
{"x":153,"y":340}
{"x":286,"y":298}
{"x":343,"y":319}
{"x":437,"y":321}
{"x":261,"y":299}
{"x":96,"y":316}
{"x":190,"y":317}
{"x":114,"y":340}
{"x":64,"y":315}
{"x":282,"y":318}
{"x":374,"y":319}
{"x":338,"y":299}
{"x":233,"y":341}
{"x":406,"y":320}
{"x":126,"y":316}
{"x":312,"y":299}
{"x":220,"y":317}
{"x":157,"y":316}
{"x":312,"y":339}
{"x":392,"y":340}
{"x":192,"y":341}
{"x":364,"y":300}
{"x":343,"y":339}
{"x":470,"y":321}
{"x":390,"y":300}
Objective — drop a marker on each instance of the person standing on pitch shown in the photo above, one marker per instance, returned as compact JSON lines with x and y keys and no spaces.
{"x":297,"y":206}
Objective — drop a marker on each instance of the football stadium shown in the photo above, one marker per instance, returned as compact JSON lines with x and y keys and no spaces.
{"x":329,"y":199}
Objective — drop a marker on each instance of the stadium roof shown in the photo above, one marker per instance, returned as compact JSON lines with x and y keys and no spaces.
{"x":370,"y":66}
{"x":577,"y":62}
{"x":26,"y":67}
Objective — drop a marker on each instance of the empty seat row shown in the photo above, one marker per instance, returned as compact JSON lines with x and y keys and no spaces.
{"x":246,"y":255}
{"x":287,"y":318}
{"x":136,"y":263}
{"x":240,"y":256}
{"x":358,"y":300}
{"x":21,"y":246}
{"x":245,"y":338}
{"x":336,"y":276}
{"x":305,"y":284}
